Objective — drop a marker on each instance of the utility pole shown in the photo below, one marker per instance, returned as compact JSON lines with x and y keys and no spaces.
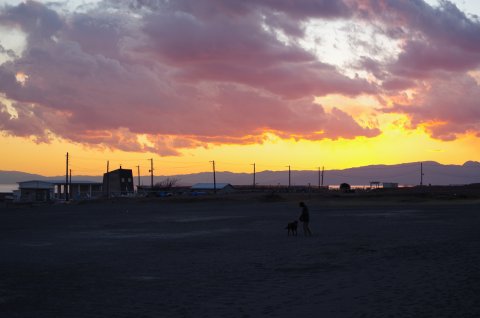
{"x":151,"y":174}
{"x":319,"y":177}
{"x":108,"y":179}
{"x":70,"y":183}
{"x":66,"y":181}
{"x":253,"y":164}
{"x":289,"y":176}
{"x":323,"y":172}
{"x":421,"y":173}
{"x":214,"y":179}
{"x":138,"y":170}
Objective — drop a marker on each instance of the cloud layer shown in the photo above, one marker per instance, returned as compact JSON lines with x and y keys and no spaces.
{"x":188,"y":73}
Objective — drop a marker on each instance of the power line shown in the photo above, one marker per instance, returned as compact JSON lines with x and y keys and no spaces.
{"x":375,"y":171}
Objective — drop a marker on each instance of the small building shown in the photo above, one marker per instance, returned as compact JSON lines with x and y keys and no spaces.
{"x":118,"y":182}
{"x":78,"y":189}
{"x":374,"y":184}
{"x":390,"y":185}
{"x":210,"y":187}
{"x":35,"y":191}
{"x":345,"y":187}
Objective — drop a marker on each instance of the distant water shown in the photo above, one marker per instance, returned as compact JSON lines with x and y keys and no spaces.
{"x":363,"y":186}
{"x":8,"y":187}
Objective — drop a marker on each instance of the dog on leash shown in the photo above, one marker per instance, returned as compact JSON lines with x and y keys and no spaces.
{"x":292,"y":228}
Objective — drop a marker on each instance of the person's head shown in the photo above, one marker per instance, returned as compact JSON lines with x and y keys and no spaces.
{"x":302,"y":204}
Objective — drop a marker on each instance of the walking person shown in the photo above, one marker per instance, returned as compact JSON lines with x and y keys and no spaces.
{"x":305,"y":219}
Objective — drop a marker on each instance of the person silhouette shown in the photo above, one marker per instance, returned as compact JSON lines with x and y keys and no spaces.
{"x":305,"y":219}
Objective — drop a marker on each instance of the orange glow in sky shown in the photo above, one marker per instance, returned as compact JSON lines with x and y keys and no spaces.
{"x":394,"y":145}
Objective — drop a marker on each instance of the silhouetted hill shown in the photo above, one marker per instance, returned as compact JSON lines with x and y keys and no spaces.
{"x":404,"y":174}
{"x":7,"y":177}
{"x":472,"y":164}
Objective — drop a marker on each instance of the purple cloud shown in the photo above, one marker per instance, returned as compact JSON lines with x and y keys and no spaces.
{"x":187,"y":72}
{"x":446,"y":108}
{"x":176,"y":70}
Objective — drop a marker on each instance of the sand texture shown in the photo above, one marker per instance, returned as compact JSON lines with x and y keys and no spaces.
{"x":234,"y":259}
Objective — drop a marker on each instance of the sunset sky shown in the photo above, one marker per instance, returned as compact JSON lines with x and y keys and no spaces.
{"x":305,"y":83}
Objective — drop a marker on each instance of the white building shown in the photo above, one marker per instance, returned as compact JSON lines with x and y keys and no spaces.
{"x":390,"y":185}
{"x":35,"y":191}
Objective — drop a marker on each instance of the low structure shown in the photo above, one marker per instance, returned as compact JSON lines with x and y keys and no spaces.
{"x":78,"y":189}
{"x":345,"y":187}
{"x":118,"y":182}
{"x":35,"y":191}
{"x":375,"y":184}
{"x":390,"y":185}
{"x":210,"y":187}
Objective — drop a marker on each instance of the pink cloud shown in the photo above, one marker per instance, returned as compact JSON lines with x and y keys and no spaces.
{"x":420,"y":59}
{"x":398,"y":84}
{"x":446,"y":107}
{"x":435,"y":37}
{"x":299,"y":9}
{"x":190,"y":73}
{"x":16,"y":125}
{"x":241,"y":51}
{"x":440,"y":45}
{"x":181,"y":72}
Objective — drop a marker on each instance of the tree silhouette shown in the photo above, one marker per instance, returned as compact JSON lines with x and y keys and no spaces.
{"x":166,"y":184}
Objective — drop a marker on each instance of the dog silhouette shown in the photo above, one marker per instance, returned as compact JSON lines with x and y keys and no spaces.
{"x":292,"y":228}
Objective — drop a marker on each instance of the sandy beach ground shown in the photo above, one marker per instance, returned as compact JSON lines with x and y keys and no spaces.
{"x":221,"y":258}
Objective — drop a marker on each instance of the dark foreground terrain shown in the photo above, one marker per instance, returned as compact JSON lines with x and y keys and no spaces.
{"x":234,"y":259}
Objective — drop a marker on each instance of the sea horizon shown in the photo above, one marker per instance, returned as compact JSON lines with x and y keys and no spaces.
{"x":8,"y":187}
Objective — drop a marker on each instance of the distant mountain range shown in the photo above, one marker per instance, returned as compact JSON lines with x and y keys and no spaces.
{"x":404,"y":174}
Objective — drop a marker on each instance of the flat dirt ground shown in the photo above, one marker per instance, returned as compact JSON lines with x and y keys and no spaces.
{"x":221,"y":258}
